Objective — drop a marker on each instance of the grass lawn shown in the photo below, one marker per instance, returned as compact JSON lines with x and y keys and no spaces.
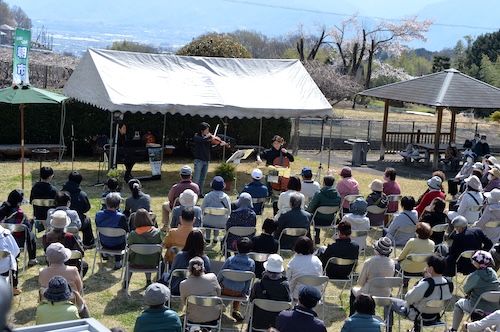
{"x":104,"y":296}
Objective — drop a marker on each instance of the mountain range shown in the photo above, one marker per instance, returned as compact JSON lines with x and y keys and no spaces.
{"x":78,"y":25}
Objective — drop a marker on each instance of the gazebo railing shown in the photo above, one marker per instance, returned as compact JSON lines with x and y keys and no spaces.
{"x":397,"y":141}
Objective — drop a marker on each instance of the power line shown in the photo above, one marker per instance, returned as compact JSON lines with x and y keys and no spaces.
{"x":315,"y":11}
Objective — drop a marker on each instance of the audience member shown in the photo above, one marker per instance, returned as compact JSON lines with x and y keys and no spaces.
{"x":293,"y":188}
{"x":243,"y":216}
{"x":157,"y":316}
{"x":256,"y":189}
{"x":465,"y":239}
{"x":188,"y":198}
{"x":483,"y":279}
{"x":364,"y":319}
{"x":483,"y":324}
{"x":272,"y":286}
{"x":482,"y":147}
{"x":491,"y":212}
{"x":439,"y":174}
{"x":81,"y":204}
{"x":435,"y":186}
{"x":407,"y":218}
{"x":434,"y":215}
{"x":463,"y":174}
{"x":391,"y":187}
{"x":114,"y":219}
{"x":358,"y":220}
{"x":343,"y":247}
{"x":8,"y":243}
{"x":302,"y":317}
{"x":326,"y":196}
{"x":308,"y":186}
{"x":472,"y":196}
{"x":63,"y":202}
{"x":493,"y":179}
{"x":216,"y":199}
{"x":11,"y":213}
{"x":195,"y":247}
{"x":265,"y":243}
{"x":379,"y":199}
{"x":202,"y":284}
{"x":416,"y":299}
{"x":175,"y":192}
{"x":144,"y":233}
{"x":5,"y":304}
{"x":378,"y":266}
{"x":138,"y":199}
{"x":296,"y":217}
{"x":43,"y":189}
{"x":56,"y":307}
{"x":177,"y":236}
{"x":452,"y":156}
{"x":347,"y":186}
{"x":112,"y":185}
{"x":303,"y":263}
{"x":239,"y":262}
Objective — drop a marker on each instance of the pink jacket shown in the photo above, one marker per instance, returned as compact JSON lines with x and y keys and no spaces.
{"x":348,"y":186}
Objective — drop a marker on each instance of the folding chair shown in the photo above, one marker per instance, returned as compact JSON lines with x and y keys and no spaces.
{"x":75,"y":254}
{"x":295,"y":232}
{"x":173,"y":250}
{"x":390,"y":215}
{"x":41,"y":203}
{"x":420,"y":259}
{"x":348,"y":198}
{"x":440,"y":228}
{"x":6,"y":255}
{"x":491,"y":296}
{"x":19,"y":228}
{"x":436,"y":306}
{"x":203,"y":301}
{"x":474,"y":208}
{"x":465,"y":254}
{"x":266,"y":305}
{"x":329,"y":210}
{"x":238,"y":231}
{"x":402,"y":230}
{"x":109,"y":232}
{"x":494,"y":224}
{"x":316,"y":281}
{"x":259,"y":259}
{"x":357,"y":235}
{"x":337,"y":261}
{"x":238,"y":276}
{"x":373,"y":209}
{"x":142,"y":249}
{"x":262,"y":202}
{"x":383,"y":301}
{"x":219,"y":213}
{"x":178,"y":273}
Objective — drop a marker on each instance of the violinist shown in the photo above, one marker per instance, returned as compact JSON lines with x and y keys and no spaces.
{"x":203,"y":142}
{"x":276,"y":151}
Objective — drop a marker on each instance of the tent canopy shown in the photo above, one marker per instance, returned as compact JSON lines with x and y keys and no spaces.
{"x":223,"y":87}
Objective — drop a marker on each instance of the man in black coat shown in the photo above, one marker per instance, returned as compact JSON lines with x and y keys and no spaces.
{"x":295,"y":218}
{"x":43,"y":189}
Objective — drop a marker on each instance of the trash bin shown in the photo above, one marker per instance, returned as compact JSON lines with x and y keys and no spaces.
{"x":359,"y":151}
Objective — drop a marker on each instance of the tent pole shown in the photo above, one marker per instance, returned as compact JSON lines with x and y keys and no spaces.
{"x":163,"y":136}
{"x":260,"y":136}
{"x":21,"y":108}
{"x":61,"y":131}
{"x":320,"y":167}
{"x":383,"y":144}
{"x":225,"y":137}
{"x":330,"y":145}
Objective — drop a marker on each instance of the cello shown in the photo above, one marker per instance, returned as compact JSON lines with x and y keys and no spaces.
{"x":281,"y":161}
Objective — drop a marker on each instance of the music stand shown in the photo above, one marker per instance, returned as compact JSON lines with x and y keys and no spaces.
{"x":236,"y":160}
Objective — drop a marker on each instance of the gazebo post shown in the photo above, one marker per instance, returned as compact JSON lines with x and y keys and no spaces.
{"x":453,"y":123}
{"x":438,"y":137}
{"x":384,"y":130}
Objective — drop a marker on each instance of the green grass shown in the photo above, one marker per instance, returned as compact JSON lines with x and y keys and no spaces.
{"x":105,"y":299}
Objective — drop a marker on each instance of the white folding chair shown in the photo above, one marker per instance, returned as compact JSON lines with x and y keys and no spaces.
{"x":172,"y":251}
{"x":493,"y":225}
{"x":390,"y":215}
{"x":240,"y":277}
{"x":218,"y":213}
{"x":438,"y":306}
{"x":328,"y":210}
{"x":238,"y":231}
{"x":316,"y":281}
{"x":399,"y":231}
{"x":295,"y":232}
{"x":203,"y":301}
{"x":145,"y":250}
{"x":467,"y":254}
{"x":177,"y":273}
{"x":347,"y":198}
{"x":358,"y":235}
{"x":266,"y":305}
{"x":19,"y":228}
{"x":415,"y":259}
{"x":4,"y":254}
{"x":373,"y":209}
{"x":109,"y":232}
{"x":75,"y":254}
{"x":41,"y":203}
{"x":491,"y":296}
{"x":337,"y":261}
{"x":259,"y":259}
{"x":386,"y":282}
{"x":473,"y":209}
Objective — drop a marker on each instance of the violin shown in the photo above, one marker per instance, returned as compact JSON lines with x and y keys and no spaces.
{"x":216,"y":140}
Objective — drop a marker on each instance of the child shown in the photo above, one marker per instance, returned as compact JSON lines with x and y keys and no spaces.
{"x":239,"y":262}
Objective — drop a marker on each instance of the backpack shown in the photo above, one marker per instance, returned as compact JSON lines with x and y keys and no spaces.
{"x":432,"y":285}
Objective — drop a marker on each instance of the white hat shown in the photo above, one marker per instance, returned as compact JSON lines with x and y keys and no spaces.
{"x":257,"y":174}
{"x":188,"y":198}
{"x":274,"y":263}
{"x":493,"y":196}
{"x":474,"y":182}
{"x":376,"y":185}
{"x":59,"y":219}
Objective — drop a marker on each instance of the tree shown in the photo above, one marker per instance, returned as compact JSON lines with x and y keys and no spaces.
{"x":261,"y":46}
{"x":489,"y":71}
{"x":131,"y":46}
{"x":215,"y":45}
{"x":23,"y":21}
{"x":488,"y":44}
{"x":5,"y":15}
{"x":440,"y":63}
{"x":366,"y":43}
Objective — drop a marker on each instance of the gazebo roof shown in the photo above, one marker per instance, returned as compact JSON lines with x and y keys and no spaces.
{"x":448,"y":88}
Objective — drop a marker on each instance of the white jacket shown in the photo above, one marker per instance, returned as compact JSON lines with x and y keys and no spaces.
{"x":8,"y":243}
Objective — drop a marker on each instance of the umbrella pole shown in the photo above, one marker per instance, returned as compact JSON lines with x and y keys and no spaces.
{"x":21,"y":108}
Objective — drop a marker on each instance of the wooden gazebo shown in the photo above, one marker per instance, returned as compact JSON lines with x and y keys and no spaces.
{"x":447,"y":89}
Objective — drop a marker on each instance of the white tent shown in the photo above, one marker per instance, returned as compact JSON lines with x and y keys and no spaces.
{"x":223,"y":87}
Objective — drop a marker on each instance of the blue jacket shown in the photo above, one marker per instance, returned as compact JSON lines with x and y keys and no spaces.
{"x":299,"y":319}
{"x":113,"y":219}
{"x":239,"y":262}
{"x":256,"y":189}
{"x":361,"y":323}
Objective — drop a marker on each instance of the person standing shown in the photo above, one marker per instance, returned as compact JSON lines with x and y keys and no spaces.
{"x":122,"y":142}
{"x":202,"y":145}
